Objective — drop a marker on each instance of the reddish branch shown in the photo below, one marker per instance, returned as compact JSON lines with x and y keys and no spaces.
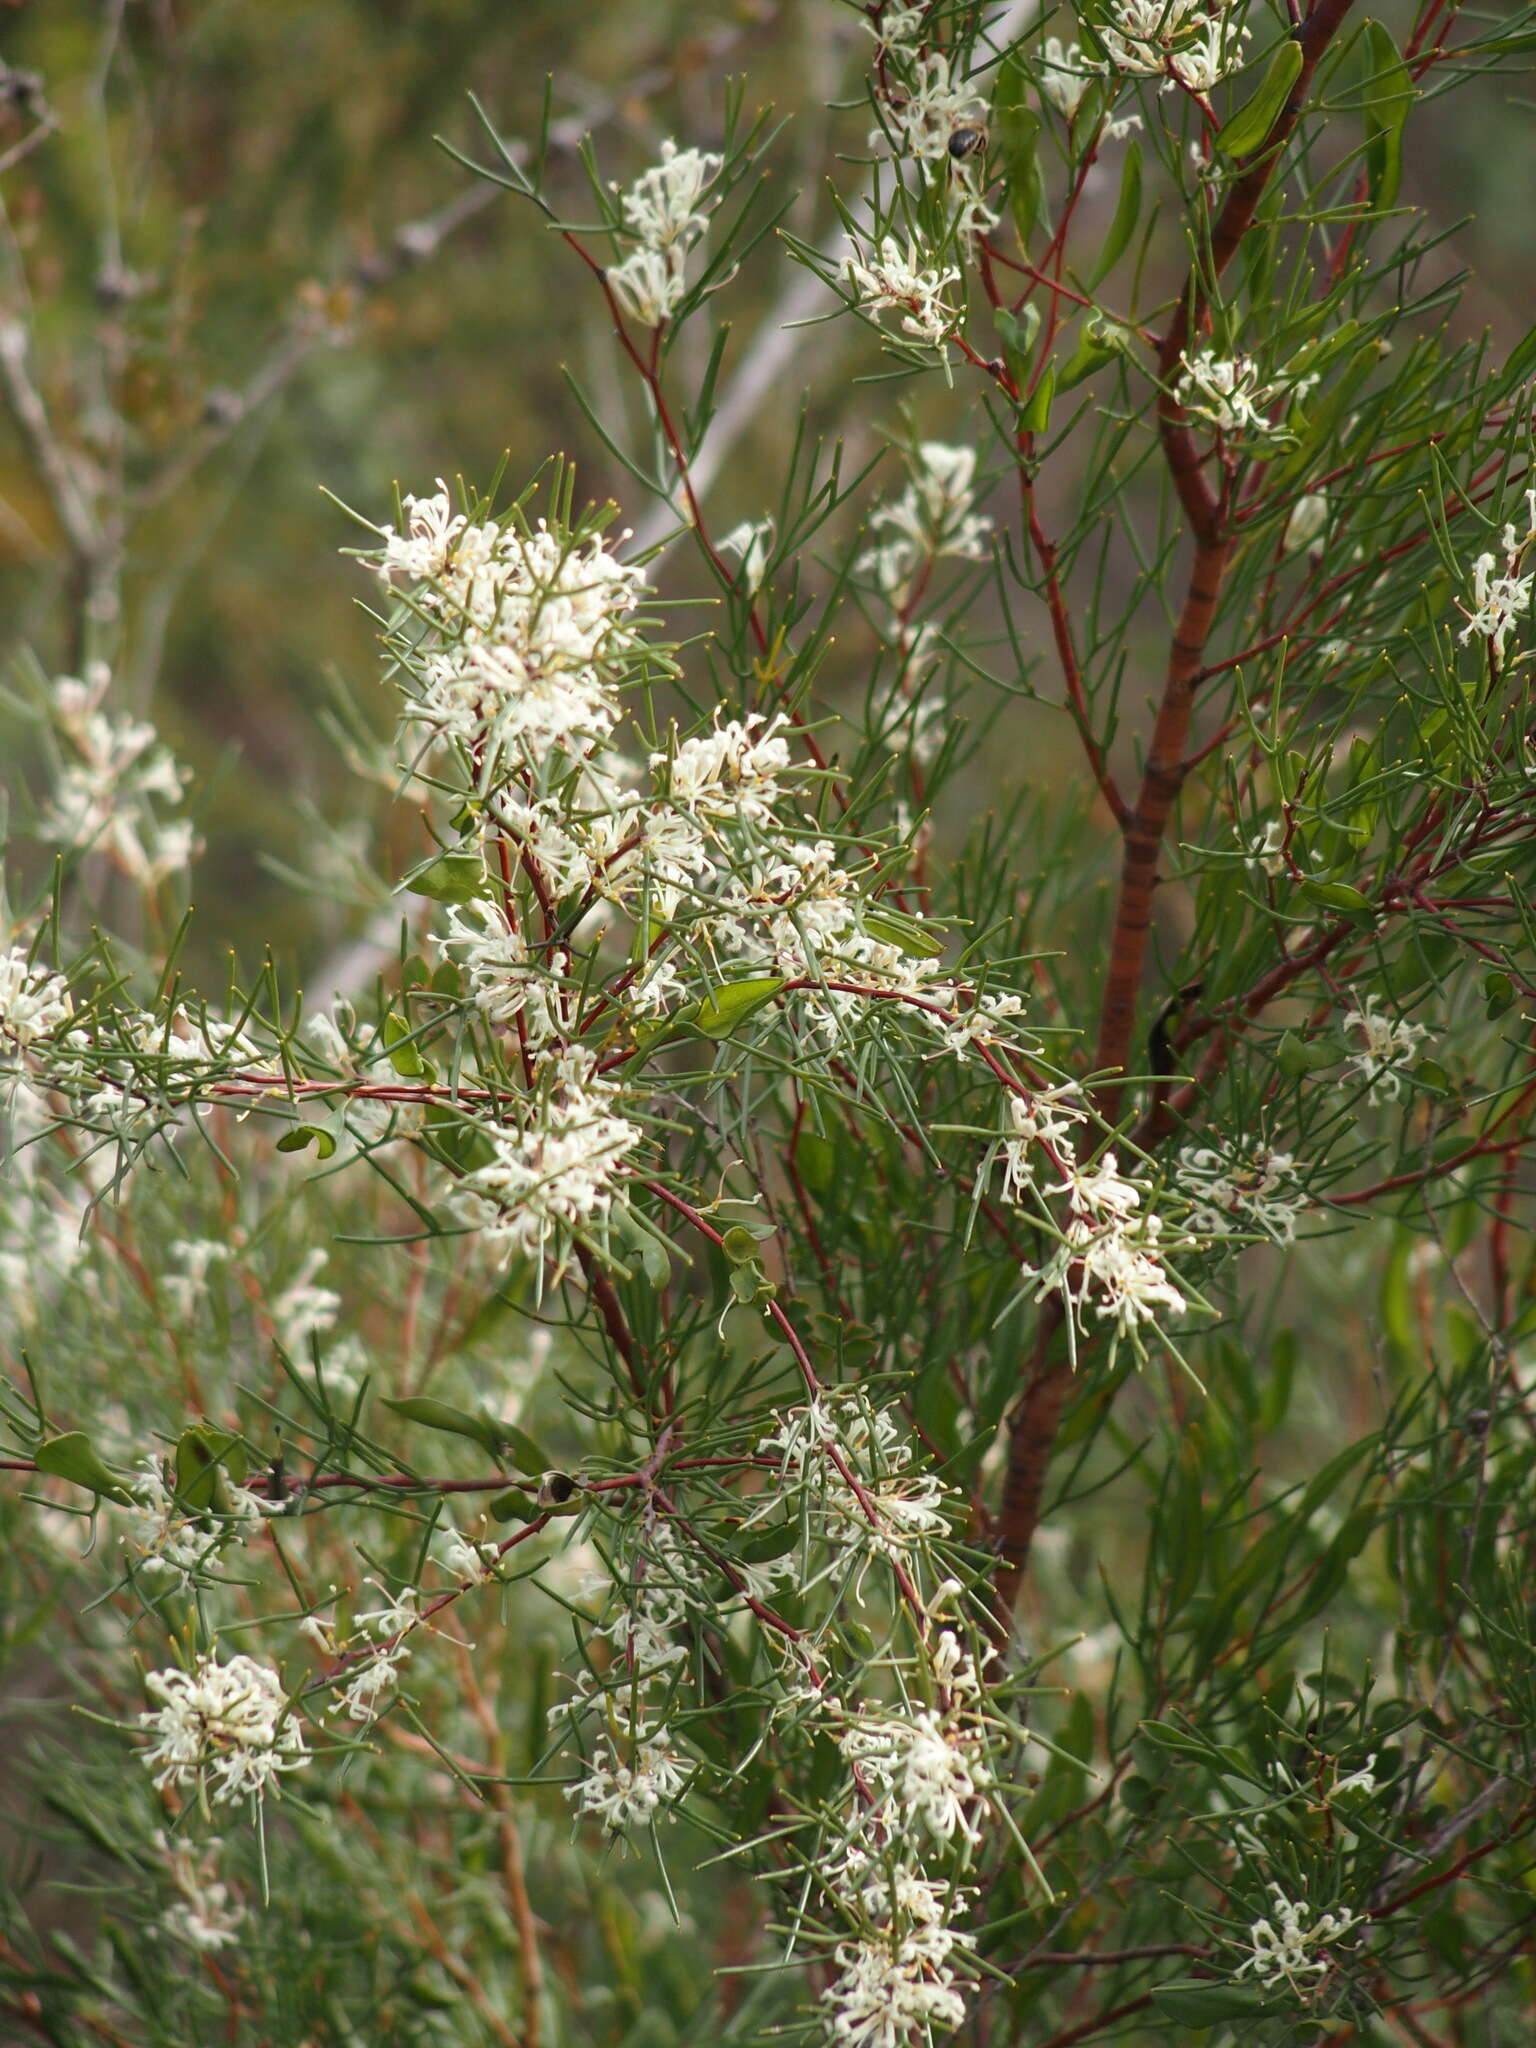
{"x":1033,"y":1427}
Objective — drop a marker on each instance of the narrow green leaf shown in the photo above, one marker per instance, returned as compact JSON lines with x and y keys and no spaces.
{"x":527,"y":1456}
{"x":918,"y":940}
{"x":1338,"y":896}
{"x":1099,"y":343}
{"x":513,"y":1506}
{"x":1389,"y":97}
{"x":403,"y":1056}
{"x":432,"y":1414}
{"x":1190,"y":2002}
{"x":1035,"y":413}
{"x":1251,"y":124}
{"x":1127,"y":213}
{"x":1015,"y":122}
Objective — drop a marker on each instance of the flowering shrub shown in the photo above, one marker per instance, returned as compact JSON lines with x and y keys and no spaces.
{"x":814,"y":1493}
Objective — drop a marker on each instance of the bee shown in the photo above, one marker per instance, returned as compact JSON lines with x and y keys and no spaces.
{"x":967,"y":139}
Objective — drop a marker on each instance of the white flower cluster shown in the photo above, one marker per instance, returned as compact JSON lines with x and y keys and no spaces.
{"x":374,"y":1656}
{"x":698,"y":847}
{"x":932,"y":116}
{"x":729,"y":772}
{"x":892,"y":276}
{"x":667,"y":209}
{"x":557,"y":1176}
{"x":1110,"y":1252}
{"x":207,"y":1915}
{"x":1501,"y":594}
{"x":532,"y":632}
{"x":34,"y":1003}
{"x":1389,"y":1043}
{"x":934,"y":516}
{"x":1193,"y":43}
{"x":924,"y":1779}
{"x":845,"y":1471}
{"x":1066,"y":73}
{"x":104,"y":798}
{"x":637,"y":1771}
{"x":1229,"y":394}
{"x":224,"y":1726}
{"x":179,"y":1545}
{"x":624,"y":1795}
{"x":1259,"y":1192}
{"x":1282,"y":1950}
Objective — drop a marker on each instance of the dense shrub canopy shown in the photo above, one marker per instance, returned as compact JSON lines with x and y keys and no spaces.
{"x":832,"y":1335}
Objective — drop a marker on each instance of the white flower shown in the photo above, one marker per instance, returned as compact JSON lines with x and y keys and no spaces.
{"x":222,"y":1726}
{"x":467,"y":1562}
{"x":1309,"y":516}
{"x":651,"y":993}
{"x":188,"y":1289}
{"x":33,"y":1002}
{"x":1281,"y":1953}
{"x":1389,"y":1041}
{"x":103,"y":798}
{"x":207,"y":1916}
{"x":171,"y":1541}
{"x":987,"y":1021}
{"x":650,"y":284}
{"x":930,"y":1768}
{"x":1362,"y":1781}
{"x":1258,"y":1193}
{"x":896,"y":26}
{"x":1266,"y":850}
{"x":928,"y":108}
{"x":533,"y":635}
{"x":664,"y":206}
{"x":502,"y":976}
{"x":1066,"y":75}
{"x":621,"y":1795}
{"x":1042,"y":1120}
{"x":1229,"y":394}
{"x":1498,"y":602}
{"x":377,"y":1669}
{"x":932,"y":517}
{"x":751,"y":542}
{"x":895,"y":1989}
{"x":893,"y":277}
{"x":302,"y":1310}
{"x":425,"y":550}
{"x":899,"y":1507}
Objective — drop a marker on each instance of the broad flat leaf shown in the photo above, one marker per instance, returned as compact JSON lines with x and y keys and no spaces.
{"x":74,"y":1457}
{"x":719,"y":1014}
{"x":451,"y":878}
